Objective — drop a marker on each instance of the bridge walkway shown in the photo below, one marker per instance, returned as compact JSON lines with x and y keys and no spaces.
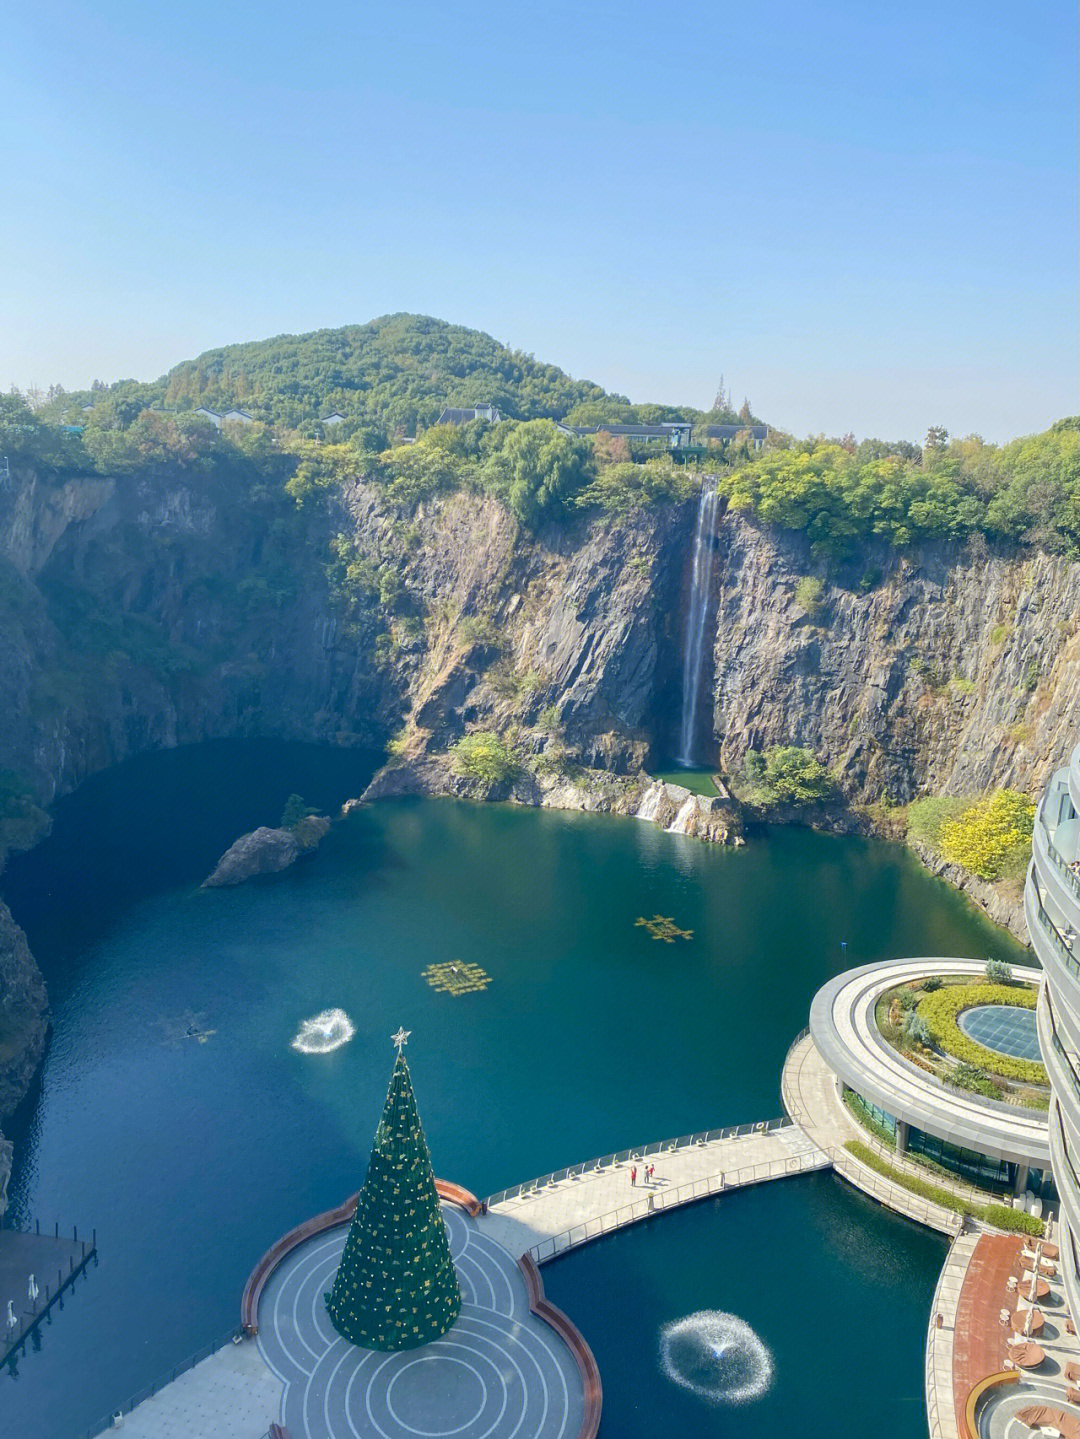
{"x":548,"y":1216}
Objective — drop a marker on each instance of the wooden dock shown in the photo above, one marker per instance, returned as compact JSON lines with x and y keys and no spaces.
{"x":54,"y":1260}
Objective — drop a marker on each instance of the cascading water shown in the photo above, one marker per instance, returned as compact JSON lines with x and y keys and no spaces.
{"x":694,"y":643}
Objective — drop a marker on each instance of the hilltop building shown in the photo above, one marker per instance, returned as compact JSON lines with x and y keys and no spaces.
{"x":675,"y":434}
{"x":1052,"y":911}
{"x":725,"y":433}
{"x":335,"y":419}
{"x":237,"y":417}
{"x":486,"y":412}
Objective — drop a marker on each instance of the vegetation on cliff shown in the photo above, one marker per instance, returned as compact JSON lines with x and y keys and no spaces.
{"x":989,"y":836}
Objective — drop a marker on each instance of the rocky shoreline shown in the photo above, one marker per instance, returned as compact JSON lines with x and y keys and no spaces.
{"x":670,"y":806}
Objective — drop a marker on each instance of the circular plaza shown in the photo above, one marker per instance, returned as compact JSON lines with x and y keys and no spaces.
{"x":990,"y":1141}
{"x":502,"y":1371}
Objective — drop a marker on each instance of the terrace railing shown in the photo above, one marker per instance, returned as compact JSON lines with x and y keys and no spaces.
{"x":631,"y":1156}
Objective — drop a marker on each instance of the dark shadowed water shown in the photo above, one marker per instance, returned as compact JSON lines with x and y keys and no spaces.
{"x":191,"y":1158}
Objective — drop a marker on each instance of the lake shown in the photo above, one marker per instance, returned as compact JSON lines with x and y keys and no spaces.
{"x":191,"y":1157}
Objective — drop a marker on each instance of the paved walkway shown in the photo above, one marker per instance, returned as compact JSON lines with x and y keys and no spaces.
{"x":499,"y":1372}
{"x":557,"y":1217}
{"x":811,"y":1095}
{"x":231,"y":1395}
{"x":940,"y":1407}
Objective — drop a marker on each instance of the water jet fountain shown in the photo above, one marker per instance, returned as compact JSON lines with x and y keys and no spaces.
{"x":716,"y":1356}
{"x":324,"y":1032}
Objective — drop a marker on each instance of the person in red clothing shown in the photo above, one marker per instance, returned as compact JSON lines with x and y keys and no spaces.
{"x":633,"y":1174}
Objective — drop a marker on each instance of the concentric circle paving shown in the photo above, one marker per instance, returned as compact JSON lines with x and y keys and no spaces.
{"x":499,"y":1373}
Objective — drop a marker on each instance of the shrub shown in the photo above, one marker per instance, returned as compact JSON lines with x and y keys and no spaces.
{"x":793,"y":776}
{"x":916,"y":1028}
{"x":479,"y":630}
{"x":934,"y":982}
{"x":999,"y":1215}
{"x":940,"y":1012}
{"x":998,"y":972}
{"x":987,"y":833}
{"x":907,"y":998}
{"x":925,"y":817}
{"x":1002,"y":1217}
{"x":482,"y":755}
{"x":810,"y":593}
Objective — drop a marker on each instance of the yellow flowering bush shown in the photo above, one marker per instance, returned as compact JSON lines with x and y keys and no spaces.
{"x":984,"y":836}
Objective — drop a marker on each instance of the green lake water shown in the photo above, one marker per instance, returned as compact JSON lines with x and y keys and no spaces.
{"x":190,"y":1159}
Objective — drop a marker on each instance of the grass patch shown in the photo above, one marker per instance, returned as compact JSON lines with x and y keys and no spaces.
{"x":999,"y":1215}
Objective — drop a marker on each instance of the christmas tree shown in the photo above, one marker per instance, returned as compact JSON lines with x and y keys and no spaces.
{"x":395,"y":1287}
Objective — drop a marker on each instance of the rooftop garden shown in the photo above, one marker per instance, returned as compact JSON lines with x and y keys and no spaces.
{"x":920,"y":1020}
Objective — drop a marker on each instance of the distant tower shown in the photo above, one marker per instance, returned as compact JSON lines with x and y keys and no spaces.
{"x":396,"y":1287}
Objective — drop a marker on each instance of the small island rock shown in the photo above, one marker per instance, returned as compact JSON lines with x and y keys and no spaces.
{"x":266,"y":851}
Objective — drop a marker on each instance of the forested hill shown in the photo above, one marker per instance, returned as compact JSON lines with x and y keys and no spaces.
{"x":393,"y":374}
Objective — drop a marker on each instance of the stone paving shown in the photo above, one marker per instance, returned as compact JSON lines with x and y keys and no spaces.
{"x":940,"y":1407}
{"x":575,"y":1207}
{"x":499,"y":1372}
{"x":231,"y":1395}
{"x":811,"y":1095}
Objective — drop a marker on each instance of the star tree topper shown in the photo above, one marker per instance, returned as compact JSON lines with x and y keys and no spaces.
{"x":401,"y":1038}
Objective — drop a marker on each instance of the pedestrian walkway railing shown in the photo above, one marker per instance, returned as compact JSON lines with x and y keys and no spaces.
{"x":630,"y":1156}
{"x":657,"y":1200}
{"x":895,"y":1196}
{"x":970,"y":1192}
{"x":234,"y":1336}
{"x":940,"y":1412}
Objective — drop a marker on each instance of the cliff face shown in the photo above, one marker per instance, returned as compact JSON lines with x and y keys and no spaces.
{"x":154,"y":610}
{"x":24,"y":1019}
{"x":941,"y":672}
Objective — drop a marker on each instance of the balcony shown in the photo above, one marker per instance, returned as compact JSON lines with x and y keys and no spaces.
{"x":1053,"y":937}
{"x":1074,"y":778}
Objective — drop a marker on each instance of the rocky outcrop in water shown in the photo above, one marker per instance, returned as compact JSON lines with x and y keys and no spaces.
{"x":266,"y":851}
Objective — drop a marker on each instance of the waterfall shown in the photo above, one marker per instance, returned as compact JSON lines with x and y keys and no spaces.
{"x":694,"y":644}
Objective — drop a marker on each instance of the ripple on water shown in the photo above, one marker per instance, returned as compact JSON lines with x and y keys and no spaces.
{"x":324,"y":1032}
{"x":716,"y":1356}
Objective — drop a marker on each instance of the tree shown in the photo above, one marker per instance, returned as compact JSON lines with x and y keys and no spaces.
{"x":794,"y":776}
{"x":395,"y":1287}
{"x":537,"y":469}
{"x":482,"y":755}
{"x":745,"y":412}
{"x":295,"y":810}
{"x":722,"y":404}
{"x":936,"y":437}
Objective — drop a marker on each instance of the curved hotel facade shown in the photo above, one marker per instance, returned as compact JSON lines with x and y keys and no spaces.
{"x":1052,"y":909}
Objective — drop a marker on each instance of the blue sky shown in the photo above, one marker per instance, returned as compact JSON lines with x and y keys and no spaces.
{"x":864,"y":216}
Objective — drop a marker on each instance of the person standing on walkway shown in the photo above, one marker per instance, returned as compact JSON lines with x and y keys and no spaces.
{"x":633,"y":1174}
{"x":652,"y":1171}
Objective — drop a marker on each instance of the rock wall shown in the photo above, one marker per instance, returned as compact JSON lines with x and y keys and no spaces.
{"x":931,"y":671}
{"x":24,"y":1022}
